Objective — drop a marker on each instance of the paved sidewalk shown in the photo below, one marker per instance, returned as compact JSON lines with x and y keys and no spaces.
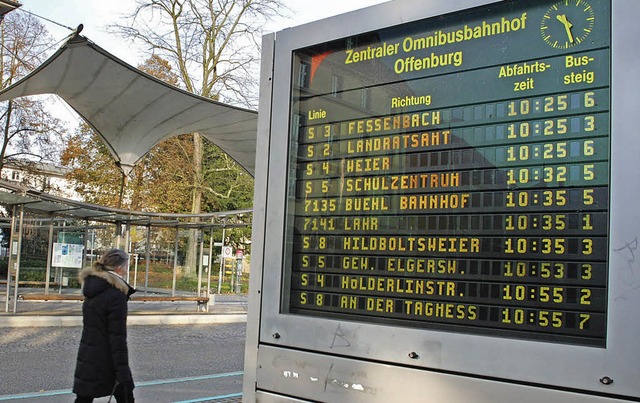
{"x":183,"y":363}
{"x":223,"y":308}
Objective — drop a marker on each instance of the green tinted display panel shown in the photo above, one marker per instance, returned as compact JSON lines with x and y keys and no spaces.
{"x":453,"y":174}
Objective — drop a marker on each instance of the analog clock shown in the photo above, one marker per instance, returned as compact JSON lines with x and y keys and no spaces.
{"x":567,"y":23}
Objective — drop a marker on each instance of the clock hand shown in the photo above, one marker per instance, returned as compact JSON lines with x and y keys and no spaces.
{"x":567,"y":25}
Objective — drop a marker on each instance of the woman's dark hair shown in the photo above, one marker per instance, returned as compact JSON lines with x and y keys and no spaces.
{"x":112,"y":259}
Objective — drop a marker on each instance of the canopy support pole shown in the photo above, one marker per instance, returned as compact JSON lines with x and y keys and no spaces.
{"x":148,"y":257}
{"x":10,"y":260}
{"x":210,"y":265}
{"x":175,"y":263}
{"x":200,"y":263}
{"x":15,"y":289}
{"x":47,"y":275}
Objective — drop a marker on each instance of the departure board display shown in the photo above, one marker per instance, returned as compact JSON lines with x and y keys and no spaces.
{"x":452,"y":174}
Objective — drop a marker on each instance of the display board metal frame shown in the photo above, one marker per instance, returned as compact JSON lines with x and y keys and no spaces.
{"x":330,"y":359}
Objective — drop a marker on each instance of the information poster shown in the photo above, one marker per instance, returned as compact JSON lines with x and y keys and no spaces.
{"x":67,"y":255}
{"x":453,"y":174}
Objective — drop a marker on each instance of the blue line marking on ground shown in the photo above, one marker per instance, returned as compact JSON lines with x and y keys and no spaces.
{"x":208,"y":399}
{"x":36,"y":394}
{"x":188,"y":379}
{"x":138,"y":384}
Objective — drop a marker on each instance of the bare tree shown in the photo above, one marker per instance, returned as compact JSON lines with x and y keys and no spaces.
{"x":213,"y":46}
{"x":28,"y":132}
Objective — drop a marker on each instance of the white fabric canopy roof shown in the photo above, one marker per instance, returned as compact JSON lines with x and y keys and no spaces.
{"x":134,"y":111}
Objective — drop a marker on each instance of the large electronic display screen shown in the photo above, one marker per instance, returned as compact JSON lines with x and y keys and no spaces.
{"x":453,"y":174}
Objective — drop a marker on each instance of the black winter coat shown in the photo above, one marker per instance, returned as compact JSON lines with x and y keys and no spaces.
{"x":103,"y":356}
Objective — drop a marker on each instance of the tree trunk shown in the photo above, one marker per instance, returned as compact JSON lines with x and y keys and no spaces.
{"x":5,"y":142}
{"x":196,"y":205}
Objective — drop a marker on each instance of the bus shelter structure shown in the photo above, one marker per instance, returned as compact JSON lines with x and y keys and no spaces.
{"x":55,"y":213}
{"x":132,"y":112}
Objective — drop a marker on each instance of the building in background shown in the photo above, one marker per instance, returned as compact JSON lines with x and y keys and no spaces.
{"x":45,"y":177}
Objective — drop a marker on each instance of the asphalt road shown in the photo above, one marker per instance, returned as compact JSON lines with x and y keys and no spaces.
{"x":169,"y":363}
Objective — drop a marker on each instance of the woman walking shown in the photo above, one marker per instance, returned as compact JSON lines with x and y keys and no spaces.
{"x":102,"y":368}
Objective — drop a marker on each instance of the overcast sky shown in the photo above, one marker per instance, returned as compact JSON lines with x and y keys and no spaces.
{"x":96,"y":14}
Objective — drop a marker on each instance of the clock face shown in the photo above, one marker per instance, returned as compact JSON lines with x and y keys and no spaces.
{"x":567,"y":23}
